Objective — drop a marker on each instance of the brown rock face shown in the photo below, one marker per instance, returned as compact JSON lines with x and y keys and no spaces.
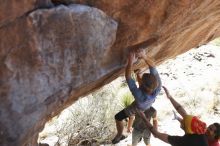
{"x":46,"y":56}
{"x":50,"y":55}
{"x":11,"y":9}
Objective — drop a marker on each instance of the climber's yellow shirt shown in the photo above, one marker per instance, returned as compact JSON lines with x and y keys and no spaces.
{"x":192,"y":125}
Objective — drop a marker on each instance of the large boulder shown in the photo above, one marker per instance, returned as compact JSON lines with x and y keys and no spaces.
{"x":53,"y":52}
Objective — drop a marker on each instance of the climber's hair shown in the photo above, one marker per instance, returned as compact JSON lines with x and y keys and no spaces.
{"x":217,"y":131}
{"x":149,"y":82}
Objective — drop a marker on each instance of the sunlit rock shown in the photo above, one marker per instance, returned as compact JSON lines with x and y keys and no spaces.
{"x":51,"y":52}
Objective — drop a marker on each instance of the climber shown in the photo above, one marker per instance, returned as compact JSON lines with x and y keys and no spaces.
{"x":195,"y":130}
{"x":193,"y":125}
{"x":140,"y":130}
{"x":150,"y":86}
{"x":213,"y":134}
{"x":130,"y":119}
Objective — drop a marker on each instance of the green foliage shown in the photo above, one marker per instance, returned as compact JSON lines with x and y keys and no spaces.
{"x":124,"y":84}
{"x":91,"y":117}
{"x":127,"y":99}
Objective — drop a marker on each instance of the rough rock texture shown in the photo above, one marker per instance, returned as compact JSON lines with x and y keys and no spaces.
{"x":50,"y":55}
{"x":53,"y":55}
{"x":11,"y":9}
